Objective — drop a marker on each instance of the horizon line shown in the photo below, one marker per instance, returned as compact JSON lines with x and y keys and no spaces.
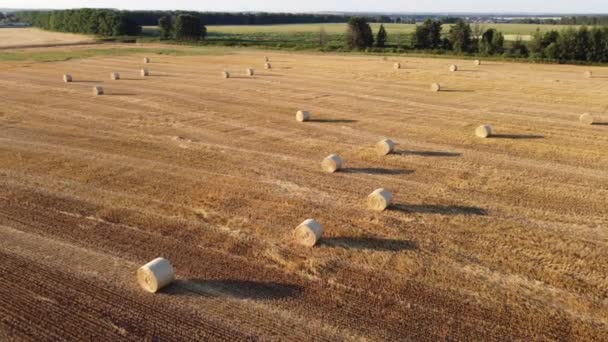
{"x":327,"y":12}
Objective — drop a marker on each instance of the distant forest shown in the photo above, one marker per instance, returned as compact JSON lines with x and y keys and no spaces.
{"x":576,"y":20}
{"x":113,"y":22}
{"x":149,"y":18}
{"x":87,"y":20}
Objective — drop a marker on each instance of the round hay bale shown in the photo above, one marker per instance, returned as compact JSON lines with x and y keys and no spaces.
{"x":302,"y":116}
{"x":385,"y":146}
{"x":453,"y":68}
{"x":477,"y":62}
{"x":266,"y":59}
{"x":586,"y":119}
{"x":225,"y":74}
{"x":435,"y":87}
{"x":379,"y":200}
{"x":250,"y":72}
{"x":267,"y":66}
{"x":308,"y":233}
{"x":588,"y":74}
{"x":115,"y":76}
{"x":98,"y":90}
{"x":332,"y":163}
{"x":155,"y":275}
{"x":397,"y":66}
{"x":67,"y":78}
{"x":483,"y":131}
{"x":145,"y":72}
{"x":146,"y":60}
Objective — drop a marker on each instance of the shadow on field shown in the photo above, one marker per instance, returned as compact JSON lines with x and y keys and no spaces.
{"x":470,"y":70}
{"x":377,"y":171}
{"x":132,"y":79}
{"x":333,"y":120}
{"x":456,"y":91}
{"x":119,"y":94}
{"x":243,"y":289}
{"x":515,"y":136}
{"x":243,"y":77}
{"x":600,"y":123}
{"x":87,"y":81}
{"x":428,"y":153}
{"x":367,"y":243}
{"x":439,"y":209}
{"x":268,"y":75}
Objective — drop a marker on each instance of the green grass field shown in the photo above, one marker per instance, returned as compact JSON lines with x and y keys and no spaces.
{"x":508,"y":29}
{"x":309,"y":36}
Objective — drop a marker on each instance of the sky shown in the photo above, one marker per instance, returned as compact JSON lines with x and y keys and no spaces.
{"x":442,"y":6}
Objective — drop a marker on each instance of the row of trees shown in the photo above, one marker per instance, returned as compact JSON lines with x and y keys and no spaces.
{"x":583,"y":44}
{"x":574,"y":20}
{"x":460,"y":39}
{"x":428,"y":36}
{"x":88,"y":21}
{"x":182,"y":27}
{"x":149,"y":18}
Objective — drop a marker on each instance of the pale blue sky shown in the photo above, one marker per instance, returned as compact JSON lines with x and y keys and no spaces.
{"x":544,"y":6}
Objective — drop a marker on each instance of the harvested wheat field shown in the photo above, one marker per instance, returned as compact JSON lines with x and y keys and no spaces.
{"x":23,"y":37}
{"x":504,"y":238}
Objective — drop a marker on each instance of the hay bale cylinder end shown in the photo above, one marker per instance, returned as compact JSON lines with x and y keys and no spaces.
{"x":250,"y":72}
{"x":267,"y":66}
{"x":98,"y":90}
{"x":586,"y":119}
{"x":308,"y":233}
{"x":385,"y":147}
{"x":155,"y":275}
{"x":332,"y":163}
{"x":588,"y":74}
{"x":115,"y":76}
{"x":302,"y":116}
{"x":453,"y":68}
{"x":67,"y":78}
{"x":477,"y":62}
{"x":225,"y":74}
{"x":146,"y":60}
{"x":435,"y":87}
{"x":483,"y":131}
{"x":397,"y":66}
{"x":379,"y":200}
{"x":145,"y":72}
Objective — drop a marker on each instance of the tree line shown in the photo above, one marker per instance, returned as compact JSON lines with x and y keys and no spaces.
{"x":87,"y":20}
{"x":572,"y":20}
{"x":461,"y":38}
{"x":149,"y":18}
{"x":105,"y":22}
{"x":583,"y":44}
{"x":569,"y":45}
